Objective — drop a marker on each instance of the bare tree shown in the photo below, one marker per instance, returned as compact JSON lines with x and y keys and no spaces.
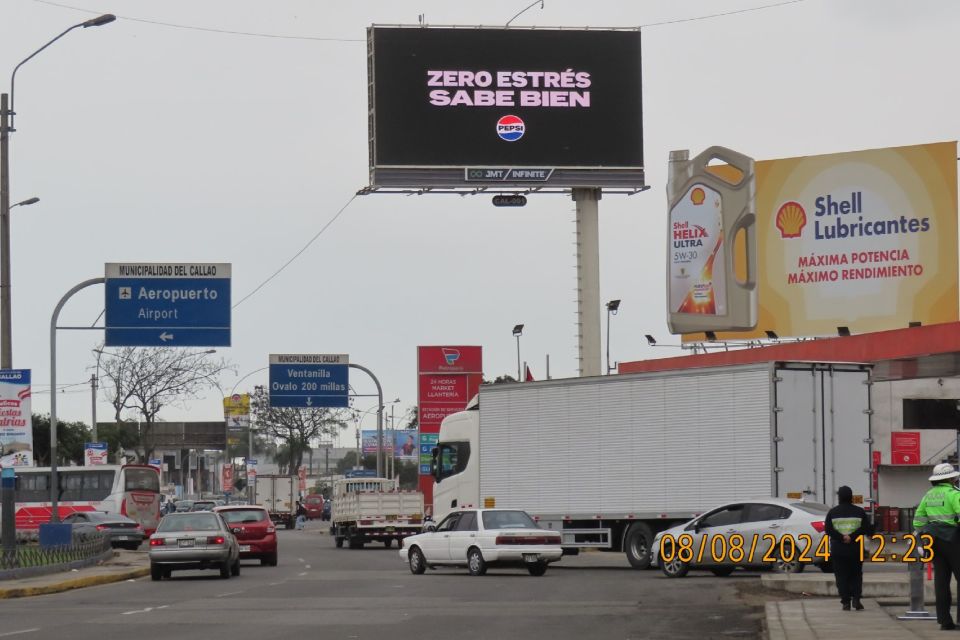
{"x":144,"y":381}
{"x":295,"y":428}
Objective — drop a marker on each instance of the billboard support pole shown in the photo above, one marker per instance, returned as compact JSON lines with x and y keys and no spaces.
{"x":588,"y":280}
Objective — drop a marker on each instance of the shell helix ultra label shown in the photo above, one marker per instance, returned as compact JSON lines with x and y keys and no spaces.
{"x":697,"y":275}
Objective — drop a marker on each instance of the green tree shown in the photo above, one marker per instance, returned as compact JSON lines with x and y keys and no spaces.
{"x":71,"y":437}
{"x":294,"y":429}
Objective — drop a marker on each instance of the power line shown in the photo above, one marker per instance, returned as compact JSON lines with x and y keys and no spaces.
{"x":720,"y":15}
{"x":298,"y":253}
{"x":207,"y":29}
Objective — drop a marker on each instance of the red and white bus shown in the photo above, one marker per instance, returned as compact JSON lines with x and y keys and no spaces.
{"x":132,"y":490}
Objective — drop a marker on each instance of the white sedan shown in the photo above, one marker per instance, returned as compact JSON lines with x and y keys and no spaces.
{"x":784,"y":535}
{"x":478,"y":538}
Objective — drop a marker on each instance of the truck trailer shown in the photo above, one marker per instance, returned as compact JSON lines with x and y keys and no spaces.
{"x":610,"y":461}
{"x":278,"y":494}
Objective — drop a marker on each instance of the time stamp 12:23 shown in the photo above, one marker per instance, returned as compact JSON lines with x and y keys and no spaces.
{"x":768,"y":548}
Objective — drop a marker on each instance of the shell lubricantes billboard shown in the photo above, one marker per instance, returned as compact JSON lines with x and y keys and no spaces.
{"x":864,"y":239}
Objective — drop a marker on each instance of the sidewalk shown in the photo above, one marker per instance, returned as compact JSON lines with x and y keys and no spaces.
{"x":124,"y":565}
{"x":823,"y":618}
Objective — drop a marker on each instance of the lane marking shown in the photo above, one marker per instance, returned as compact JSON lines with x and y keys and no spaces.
{"x":273,"y":584}
{"x":301,"y":559}
{"x":306,"y":566}
{"x":163,"y":606}
{"x":16,"y":633}
{"x":302,"y":574}
{"x":231,"y":593}
{"x":147,"y":610}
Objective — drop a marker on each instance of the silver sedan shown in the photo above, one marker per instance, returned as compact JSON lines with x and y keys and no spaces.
{"x":193,"y":540}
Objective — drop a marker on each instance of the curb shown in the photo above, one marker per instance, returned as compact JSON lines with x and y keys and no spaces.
{"x":76,"y":583}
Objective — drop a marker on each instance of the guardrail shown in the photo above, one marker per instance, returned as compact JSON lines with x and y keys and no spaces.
{"x":36,"y":559}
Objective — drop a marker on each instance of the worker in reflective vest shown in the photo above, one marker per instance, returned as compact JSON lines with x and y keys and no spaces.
{"x":938,"y":515}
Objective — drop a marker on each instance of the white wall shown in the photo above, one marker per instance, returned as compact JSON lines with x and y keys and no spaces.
{"x":903,"y":486}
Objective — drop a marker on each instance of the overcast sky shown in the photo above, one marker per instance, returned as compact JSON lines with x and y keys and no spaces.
{"x":153,"y":143}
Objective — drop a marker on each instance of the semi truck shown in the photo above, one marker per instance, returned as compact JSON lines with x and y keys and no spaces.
{"x":278,"y":494}
{"x":374,"y":510}
{"x":610,"y":461}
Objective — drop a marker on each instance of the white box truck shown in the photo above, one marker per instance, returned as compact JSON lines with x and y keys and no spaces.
{"x":374,"y":510}
{"x":610,"y":461}
{"x":279,"y":495}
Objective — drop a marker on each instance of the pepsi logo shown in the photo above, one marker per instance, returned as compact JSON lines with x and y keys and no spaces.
{"x":510,"y":128}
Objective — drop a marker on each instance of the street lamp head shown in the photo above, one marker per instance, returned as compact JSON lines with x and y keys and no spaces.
{"x":99,"y":21}
{"x":24,"y":203}
{"x":518,"y":330}
{"x":613,"y":306}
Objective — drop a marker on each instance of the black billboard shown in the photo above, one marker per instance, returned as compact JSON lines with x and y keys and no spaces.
{"x":479,"y":106}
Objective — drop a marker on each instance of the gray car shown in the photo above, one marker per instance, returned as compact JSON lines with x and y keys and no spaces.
{"x":193,"y":540}
{"x":121,"y":530}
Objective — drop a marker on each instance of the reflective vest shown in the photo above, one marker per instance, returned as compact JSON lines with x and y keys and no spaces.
{"x":939,"y":512}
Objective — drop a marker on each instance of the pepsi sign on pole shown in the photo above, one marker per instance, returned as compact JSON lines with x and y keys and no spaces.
{"x":167,"y":305}
{"x":306,"y":381}
{"x":566,"y":102}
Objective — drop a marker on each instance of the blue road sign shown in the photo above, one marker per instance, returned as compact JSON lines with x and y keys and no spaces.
{"x":167,"y":305}
{"x":309,"y":380}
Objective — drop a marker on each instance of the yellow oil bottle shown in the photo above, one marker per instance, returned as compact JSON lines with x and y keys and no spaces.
{"x":712,"y":209}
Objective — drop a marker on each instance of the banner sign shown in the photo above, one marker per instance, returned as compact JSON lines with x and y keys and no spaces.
{"x":865,"y":240}
{"x":16,"y":421}
{"x":227,"y":480}
{"x":251,"y":470}
{"x":449,"y":104}
{"x":94,"y":453}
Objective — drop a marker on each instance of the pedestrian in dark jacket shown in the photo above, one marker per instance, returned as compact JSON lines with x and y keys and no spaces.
{"x":845,"y":524}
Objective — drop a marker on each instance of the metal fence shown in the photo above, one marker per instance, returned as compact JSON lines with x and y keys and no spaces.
{"x":33,"y":555}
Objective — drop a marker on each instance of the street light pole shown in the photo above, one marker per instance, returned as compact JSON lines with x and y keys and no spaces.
{"x":7,"y":114}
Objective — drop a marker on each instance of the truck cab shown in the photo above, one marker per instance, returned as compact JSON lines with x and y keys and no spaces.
{"x":455,"y":466}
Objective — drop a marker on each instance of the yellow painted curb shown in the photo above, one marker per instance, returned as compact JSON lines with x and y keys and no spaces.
{"x":76,"y":583}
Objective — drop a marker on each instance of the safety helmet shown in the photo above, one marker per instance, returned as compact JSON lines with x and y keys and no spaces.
{"x":944,"y":471}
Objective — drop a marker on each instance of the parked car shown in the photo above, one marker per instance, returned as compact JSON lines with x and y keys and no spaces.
{"x":193,"y":540}
{"x":121,"y":530}
{"x":313,"y":503}
{"x":204,"y":505}
{"x":254,"y":531}
{"x":794,"y":528}
{"x":480,"y":538}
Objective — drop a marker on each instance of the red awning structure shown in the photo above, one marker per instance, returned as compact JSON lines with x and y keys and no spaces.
{"x":917,"y":352}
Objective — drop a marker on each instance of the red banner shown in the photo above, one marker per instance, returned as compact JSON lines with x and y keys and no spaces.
{"x":450,"y":359}
{"x":227,"y":479}
{"x":302,"y":474}
{"x":905,"y":447}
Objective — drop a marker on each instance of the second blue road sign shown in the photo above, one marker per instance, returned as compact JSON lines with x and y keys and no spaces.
{"x":309,"y":380}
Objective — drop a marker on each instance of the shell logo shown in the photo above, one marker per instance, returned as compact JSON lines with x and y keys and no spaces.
{"x":791,"y":219}
{"x":697,"y":196}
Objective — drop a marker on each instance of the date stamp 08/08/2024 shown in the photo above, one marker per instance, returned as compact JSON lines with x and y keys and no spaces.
{"x":769,"y":548}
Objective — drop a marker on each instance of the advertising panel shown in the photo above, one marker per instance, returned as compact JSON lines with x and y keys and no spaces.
{"x":16,"y":421}
{"x":404,"y":443}
{"x":448,"y":377}
{"x":865,"y":240}
{"x":462,"y":106}
{"x":95,"y":453}
{"x":236,"y":411}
